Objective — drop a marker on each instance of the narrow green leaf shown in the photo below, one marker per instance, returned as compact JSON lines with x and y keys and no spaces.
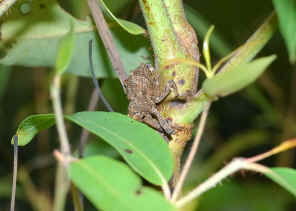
{"x":65,"y":51}
{"x":206,"y":48}
{"x":285,"y":177}
{"x":254,"y":44}
{"x":286,"y":11}
{"x":237,"y":78}
{"x":143,"y":148}
{"x":130,"y":27}
{"x":110,"y":185}
{"x":31,"y":126}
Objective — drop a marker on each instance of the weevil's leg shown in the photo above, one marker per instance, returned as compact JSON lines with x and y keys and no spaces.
{"x":171,"y":85}
{"x":163,"y":123}
{"x":149,"y":120}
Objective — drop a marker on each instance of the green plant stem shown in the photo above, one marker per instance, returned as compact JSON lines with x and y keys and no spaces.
{"x":232,"y":167}
{"x":182,"y":28}
{"x":62,"y":180}
{"x":62,"y":185}
{"x":5,"y":5}
{"x":168,"y":44}
{"x":57,"y":107}
{"x":192,"y":153}
{"x":163,"y":38}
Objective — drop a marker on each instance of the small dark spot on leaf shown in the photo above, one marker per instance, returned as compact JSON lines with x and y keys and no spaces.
{"x":42,"y":6}
{"x":181,"y":82}
{"x":129,"y":151}
{"x":174,"y":74}
{"x":138,"y":192}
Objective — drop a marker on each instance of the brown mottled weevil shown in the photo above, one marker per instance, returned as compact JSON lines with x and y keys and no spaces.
{"x":144,"y":93}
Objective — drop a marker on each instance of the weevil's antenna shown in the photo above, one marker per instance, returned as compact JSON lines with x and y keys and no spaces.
{"x":15,"y":152}
{"x":96,"y":83}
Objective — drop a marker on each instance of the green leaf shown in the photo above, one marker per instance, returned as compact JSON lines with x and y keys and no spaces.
{"x":31,"y":126}
{"x":237,"y":78}
{"x":285,"y":177}
{"x":130,"y":27}
{"x":110,"y":185}
{"x":253,"y":45}
{"x":286,"y":11}
{"x":142,"y":147}
{"x":65,"y":51}
{"x":38,"y":32}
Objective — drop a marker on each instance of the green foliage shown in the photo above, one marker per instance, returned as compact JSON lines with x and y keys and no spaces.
{"x":38,"y":32}
{"x":142,"y":147}
{"x":65,"y":51}
{"x":286,"y":11}
{"x":111,"y":185}
{"x":237,"y":78}
{"x":31,"y":126}
{"x":130,"y":27}
{"x":33,"y":33}
{"x":285,"y":177}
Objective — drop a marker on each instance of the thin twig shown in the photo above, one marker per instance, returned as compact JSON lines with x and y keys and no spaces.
{"x":15,"y":152}
{"x":5,"y":5}
{"x":76,"y":198}
{"x":166,"y":189}
{"x":57,"y":107}
{"x":106,"y":37}
{"x":192,"y":153}
{"x":62,"y":180}
{"x":231,"y":168}
{"x":84,"y":134}
{"x":96,"y":83}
